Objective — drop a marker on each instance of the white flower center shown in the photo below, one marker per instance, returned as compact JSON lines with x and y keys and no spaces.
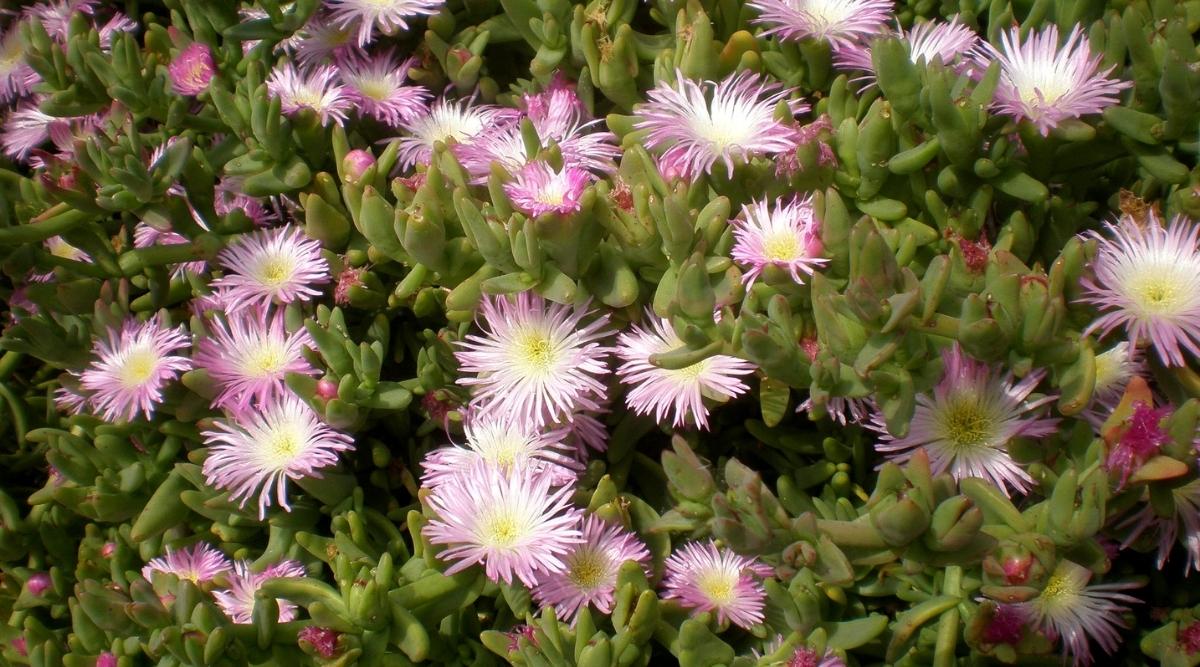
{"x":1158,"y":290}
{"x":275,"y":270}
{"x":503,"y":449}
{"x":826,"y":14}
{"x":1111,"y":368}
{"x":448,"y":122}
{"x":138,"y":367}
{"x":283,"y":443}
{"x":723,"y":127}
{"x":718,"y":586}
{"x":500,"y":530}
{"x":966,"y":425}
{"x":781,"y":246}
{"x":1041,"y":83}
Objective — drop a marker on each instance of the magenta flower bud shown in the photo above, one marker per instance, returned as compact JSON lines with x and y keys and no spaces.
{"x":323,"y":640}
{"x":108,"y":549}
{"x":38,"y":583}
{"x":106,"y":659}
{"x":18,"y":645}
{"x":356,"y":163}
{"x":327,"y":389}
{"x":192,"y":69}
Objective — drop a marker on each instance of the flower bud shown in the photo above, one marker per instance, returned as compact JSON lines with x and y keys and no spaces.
{"x":356,"y":163}
{"x":38,"y":583}
{"x":106,"y":659}
{"x":324,"y":641}
{"x":327,"y":389}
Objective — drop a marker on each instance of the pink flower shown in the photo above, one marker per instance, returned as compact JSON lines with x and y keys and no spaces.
{"x":1181,"y":527}
{"x":736,"y":123}
{"x":1045,"y":84}
{"x":25,"y":129}
{"x":840,"y":22}
{"x":279,"y":265}
{"x":590,"y":573}
{"x":538,"y":189}
{"x":704,"y":578}
{"x":132,"y":366}
{"x":1006,"y":625}
{"x":106,"y":659}
{"x":788,"y":237}
{"x":1115,"y":367}
{"x":927,"y":41}
{"x":376,"y":86}
{"x":387,"y":16}
{"x":323,"y":640}
{"x":145,"y":236}
{"x":228,"y":197}
{"x":320,"y":41}
{"x":1142,"y":439}
{"x":198,"y":564}
{"x":514,"y":525}
{"x":17,"y":78}
{"x":55,"y":15}
{"x":237,"y":601}
{"x":249,"y":355}
{"x":314,"y":89}
{"x":451,"y":123}
{"x":192,"y":69}
{"x":509,"y":445}
{"x":355,"y":165}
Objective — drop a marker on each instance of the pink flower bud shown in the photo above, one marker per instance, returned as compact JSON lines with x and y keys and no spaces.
{"x":326,"y":389}
{"x":323,"y":640}
{"x":356,"y":163}
{"x":38,"y":583}
{"x":106,"y":659}
{"x":108,"y":549}
{"x":192,"y":69}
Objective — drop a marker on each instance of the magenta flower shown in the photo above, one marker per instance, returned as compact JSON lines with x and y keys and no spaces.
{"x":279,"y":265}
{"x":198,"y":564}
{"x":1045,"y":84}
{"x":17,"y":78}
{"x":254,"y":455}
{"x":735,"y":123}
{"x":536,"y":361}
{"x":106,"y":659}
{"x":323,"y":640}
{"x":788,"y":237}
{"x":677,"y":394}
{"x":927,"y":41}
{"x":514,"y":525}
{"x":145,"y":236}
{"x":452,"y":123}
{"x":1142,"y":439}
{"x":249,"y":354}
{"x":376,"y":86}
{"x":509,"y":445}
{"x":388,"y":16}
{"x":1147,"y":279}
{"x":538,"y":189}
{"x":965,"y":425}
{"x":704,"y":578}
{"x":192,"y":69}
{"x":839,"y":22}
{"x":590,"y":573}
{"x":313,"y":88}
{"x":237,"y":601}
{"x":132,"y":366}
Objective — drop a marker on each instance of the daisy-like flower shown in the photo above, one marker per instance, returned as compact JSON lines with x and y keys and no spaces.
{"x":119,"y":23}
{"x":249,"y":355}
{"x":842,"y":410}
{"x":539,"y":189}
{"x":536,"y":360}
{"x":314,"y":88}
{"x":967,"y":422}
{"x":839,"y":22}
{"x":515,"y":525}
{"x":697,"y":130}
{"x":1147,"y":279}
{"x":199,"y":563}
{"x":255,"y":454}
{"x":446,"y":121}
{"x":59,"y":247}
{"x":678,"y":394}
{"x":229,"y":197}
{"x":1045,"y":84}
{"x":1183,"y":526}
{"x":510,"y":445}
{"x":929,"y":40}
{"x":16,"y":76}
{"x":237,"y":601}
{"x":145,"y":236}
{"x":705,"y":578}
{"x":321,"y":41}
{"x":1070,"y":610}
{"x":376,"y":86}
{"x":788,"y":237}
{"x":55,"y":15}
{"x":192,"y":69}
{"x":590,"y":575}
{"x":388,"y":16}
{"x":25,"y":128}
{"x":279,"y":265}
{"x":132,"y":366}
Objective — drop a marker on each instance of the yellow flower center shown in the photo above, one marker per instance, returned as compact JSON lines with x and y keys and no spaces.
{"x":501,"y":530}
{"x":717,"y":587}
{"x":275,"y":271}
{"x":284,"y":443}
{"x":781,"y":247}
{"x":966,"y":425}
{"x":265,"y":360}
{"x":587,"y":569}
{"x":375,"y":89}
{"x":535,"y":352}
{"x":138,"y":368}
{"x":1156,"y":293}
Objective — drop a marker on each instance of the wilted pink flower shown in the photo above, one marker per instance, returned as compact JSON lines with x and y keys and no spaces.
{"x":704,"y":578}
{"x":1142,"y":439}
{"x":254,"y":455}
{"x":192,"y":69}
{"x":1006,"y":625}
{"x":198,"y":564}
{"x":38,"y":583}
{"x":249,"y":354}
{"x":237,"y":601}
{"x":590,"y":573}
{"x":736,"y":123}
{"x":927,"y":41}
{"x":1045,"y":84}
{"x":510,"y":445}
{"x":145,"y":236}
{"x":965,"y":425}
{"x":1182,"y":526}
{"x":451,"y":123}
{"x":314,"y":88}
{"x":840,"y":22}
{"x":132,"y":366}
{"x":279,"y":265}
{"x":514,"y":525}
{"x":376,"y":86}
{"x":17,"y":78}
{"x":323,"y":640}
{"x":1147,"y":279}
{"x":804,"y":656}
{"x":787,"y":236}
{"x":538,"y":189}
{"x":386,"y":16}
{"x":536,"y":360}
{"x":674,"y":394}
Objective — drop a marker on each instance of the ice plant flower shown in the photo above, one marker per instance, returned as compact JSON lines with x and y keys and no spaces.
{"x":590,"y":575}
{"x":839,"y":22}
{"x":145,"y":236}
{"x":314,"y":88}
{"x":1147,"y":280}
{"x":198,"y":564}
{"x":229,"y":197}
{"x":279,"y":265}
{"x":1070,"y":610}
{"x":16,"y":76}
{"x":948,"y":42}
{"x":323,"y":640}
{"x":447,"y":122}
{"x":705,"y":578}
{"x":804,"y":656}
{"x":249,"y":354}
{"x":509,"y":445}
{"x":55,"y":15}
{"x":386,"y":16}
{"x":376,"y":86}
{"x":192,"y":69}
{"x":132,"y":366}
{"x":538,"y":189}
{"x":237,"y":601}
{"x":842,"y":410}
{"x":1183,"y":525}
{"x":1045,"y":84}
{"x":675,"y":394}
{"x":536,"y":360}
{"x":965,"y":425}
{"x":25,"y":128}
{"x":254,"y":455}
{"x":516,"y":526}
{"x":321,"y":41}
{"x":1115,"y":367}
{"x":787,"y":236}
{"x":734,"y":123}
{"x":1142,"y":439}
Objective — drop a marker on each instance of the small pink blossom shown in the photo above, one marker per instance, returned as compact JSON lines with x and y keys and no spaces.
{"x":192,"y":69}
